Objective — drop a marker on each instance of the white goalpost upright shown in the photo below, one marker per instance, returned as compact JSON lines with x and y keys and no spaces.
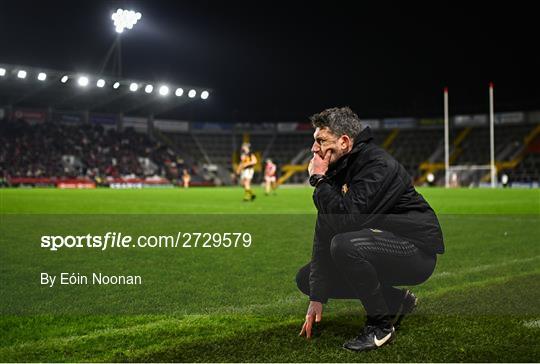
{"x":471,"y":171}
{"x":492,"y":137}
{"x":446,"y":142}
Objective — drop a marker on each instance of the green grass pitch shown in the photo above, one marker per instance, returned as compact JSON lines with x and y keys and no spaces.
{"x":236,"y":305}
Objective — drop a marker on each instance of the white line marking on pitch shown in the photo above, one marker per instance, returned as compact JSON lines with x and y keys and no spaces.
{"x":481,"y":268}
{"x":534,"y":324}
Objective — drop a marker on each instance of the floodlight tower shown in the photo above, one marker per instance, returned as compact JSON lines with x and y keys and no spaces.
{"x":122,"y":19}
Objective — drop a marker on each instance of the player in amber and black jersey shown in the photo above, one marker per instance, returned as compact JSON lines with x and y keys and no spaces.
{"x":245,"y":169}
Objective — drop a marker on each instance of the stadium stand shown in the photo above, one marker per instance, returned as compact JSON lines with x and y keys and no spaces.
{"x":87,"y":151}
{"x":106,"y":135}
{"x":528,"y":170}
{"x":412,"y":147}
{"x":508,"y":142}
{"x":100,"y":153}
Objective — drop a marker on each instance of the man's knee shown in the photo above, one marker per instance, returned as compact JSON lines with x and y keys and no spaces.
{"x":338,"y":247}
{"x":342,"y":246}
{"x":348,"y":247}
{"x":302,"y":279}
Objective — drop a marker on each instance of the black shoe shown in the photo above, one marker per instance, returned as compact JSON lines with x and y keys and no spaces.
{"x":253,"y":197}
{"x":371,"y":337}
{"x":407,"y":306}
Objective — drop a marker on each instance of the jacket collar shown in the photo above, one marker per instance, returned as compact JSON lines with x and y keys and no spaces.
{"x":364,"y":137}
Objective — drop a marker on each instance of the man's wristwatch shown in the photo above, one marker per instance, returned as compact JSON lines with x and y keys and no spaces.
{"x":316,"y":179}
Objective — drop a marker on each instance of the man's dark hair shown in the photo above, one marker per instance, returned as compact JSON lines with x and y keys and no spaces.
{"x":339,"y":120}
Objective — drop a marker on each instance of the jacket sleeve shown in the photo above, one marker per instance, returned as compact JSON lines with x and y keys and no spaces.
{"x":320,"y":262}
{"x":367,"y":191}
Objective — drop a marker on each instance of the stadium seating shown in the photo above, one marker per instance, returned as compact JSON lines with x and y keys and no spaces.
{"x":508,"y":141}
{"x":54,"y":149}
{"x":412,"y":147}
{"x":528,"y":170}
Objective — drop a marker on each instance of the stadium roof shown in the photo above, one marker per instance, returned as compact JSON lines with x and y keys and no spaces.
{"x":39,"y":87}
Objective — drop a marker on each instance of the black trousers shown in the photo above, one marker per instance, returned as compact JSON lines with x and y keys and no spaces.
{"x":367,"y":264}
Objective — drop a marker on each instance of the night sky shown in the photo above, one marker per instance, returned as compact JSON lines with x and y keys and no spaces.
{"x":283,"y":61}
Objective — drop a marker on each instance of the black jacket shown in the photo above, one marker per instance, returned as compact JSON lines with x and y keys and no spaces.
{"x":368,"y":188}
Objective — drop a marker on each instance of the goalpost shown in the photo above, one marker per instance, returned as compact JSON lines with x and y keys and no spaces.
{"x":469,"y":175}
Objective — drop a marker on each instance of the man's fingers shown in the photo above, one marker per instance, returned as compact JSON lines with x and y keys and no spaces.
{"x":308,"y":329}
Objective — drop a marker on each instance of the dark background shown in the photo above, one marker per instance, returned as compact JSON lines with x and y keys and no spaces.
{"x":281,"y":61}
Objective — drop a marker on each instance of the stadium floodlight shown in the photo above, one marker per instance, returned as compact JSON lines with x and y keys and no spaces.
{"x":83,"y":81}
{"x":116,"y":85}
{"x":122,"y":19}
{"x":2,"y":72}
{"x":21,"y":74}
{"x":125,"y":19}
{"x":100,"y":83}
{"x":42,"y":76}
{"x":148,"y":89}
{"x":64,"y":79}
{"x":192,"y":93}
{"x":133,"y":87}
{"x":163,"y":90}
{"x":204,"y":95}
{"x":179,"y":92}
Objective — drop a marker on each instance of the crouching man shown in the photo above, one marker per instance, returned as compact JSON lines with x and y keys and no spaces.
{"x":373,"y":230}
